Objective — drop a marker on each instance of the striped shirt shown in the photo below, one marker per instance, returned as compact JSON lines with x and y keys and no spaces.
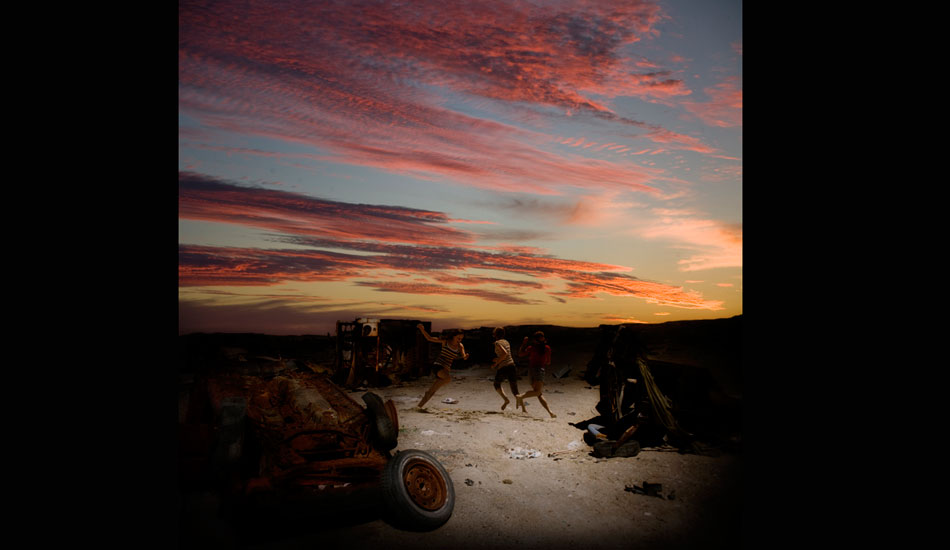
{"x":503,"y":349}
{"x":447,"y":355}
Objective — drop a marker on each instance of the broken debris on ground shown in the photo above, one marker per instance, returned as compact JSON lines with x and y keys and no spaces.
{"x":649,"y":489}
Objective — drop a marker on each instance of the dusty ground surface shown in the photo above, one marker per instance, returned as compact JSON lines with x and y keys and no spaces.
{"x":522,"y":480}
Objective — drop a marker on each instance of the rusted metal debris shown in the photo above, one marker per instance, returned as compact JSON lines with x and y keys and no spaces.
{"x":290,"y":431}
{"x":649,"y":489}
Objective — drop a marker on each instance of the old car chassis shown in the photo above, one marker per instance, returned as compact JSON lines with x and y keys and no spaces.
{"x":279,"y":436}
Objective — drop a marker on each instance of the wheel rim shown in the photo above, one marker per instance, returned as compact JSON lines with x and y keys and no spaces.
{"x":425,"y":485}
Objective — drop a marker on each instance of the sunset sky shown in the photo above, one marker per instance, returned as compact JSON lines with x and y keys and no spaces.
{"x":471,"y":164}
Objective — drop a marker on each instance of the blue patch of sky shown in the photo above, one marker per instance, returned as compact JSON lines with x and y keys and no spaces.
{"x":206,"y":233}
{"x":700,"y":29}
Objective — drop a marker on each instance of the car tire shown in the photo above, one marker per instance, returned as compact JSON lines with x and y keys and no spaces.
{"x":384,"y":432}
{"x":417,"y":492}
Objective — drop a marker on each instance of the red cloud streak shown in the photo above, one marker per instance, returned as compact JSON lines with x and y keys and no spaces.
{"x":353,"y":77}
{"x":432,"y":289}
{"x":208,"y":199}
{"x":209,"y":266}
{"x":585,"y":285}
{"x":243,"y":266}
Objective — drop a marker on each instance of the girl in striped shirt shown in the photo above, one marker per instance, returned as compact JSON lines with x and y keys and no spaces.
{"x":505,"y":365}
{"x":452,"y":349}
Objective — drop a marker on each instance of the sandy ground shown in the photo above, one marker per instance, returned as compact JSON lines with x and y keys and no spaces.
{"x":526,"y":481}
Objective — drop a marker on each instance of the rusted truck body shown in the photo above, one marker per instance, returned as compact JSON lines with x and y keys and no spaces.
{"x":379,"y":352}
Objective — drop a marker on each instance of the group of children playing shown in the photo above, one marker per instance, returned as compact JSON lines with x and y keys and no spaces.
{"x":535,"y":349}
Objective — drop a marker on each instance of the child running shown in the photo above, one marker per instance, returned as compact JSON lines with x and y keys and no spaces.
{"x":452,"y":349}
{"x":539,"y":357}
{"x":505,"y":364}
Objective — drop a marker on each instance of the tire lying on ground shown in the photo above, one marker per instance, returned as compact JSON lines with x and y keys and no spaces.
{"x":417,"y":492}
{"x":384,"y":432}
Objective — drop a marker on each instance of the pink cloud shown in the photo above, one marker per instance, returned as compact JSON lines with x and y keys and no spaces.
{"x":715,"y":244}
{"x":585,"y":285}
{"x":364,"y":97}
{"x":600,"y":209}
{"x":645,"y":85}
{"x":439,"y":289}
{"x":474,"y":281}
{"x":213,"y":266}
{"x":679,"y":141}
{"x":614,"y":319}
{"x":724,"y":108}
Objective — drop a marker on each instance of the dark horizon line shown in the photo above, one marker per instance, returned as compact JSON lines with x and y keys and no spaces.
{"x":474,"y":328}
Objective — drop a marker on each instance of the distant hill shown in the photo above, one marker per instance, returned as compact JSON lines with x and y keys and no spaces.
{"x":712,"y":344}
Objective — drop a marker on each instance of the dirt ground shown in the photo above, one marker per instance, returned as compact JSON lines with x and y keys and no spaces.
{"x":524,"y":480}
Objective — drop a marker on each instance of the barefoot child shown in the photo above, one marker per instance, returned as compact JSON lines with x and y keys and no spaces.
{"x":452,"y":349}
{"x":539,"y":357}
{"x":505,"y":365}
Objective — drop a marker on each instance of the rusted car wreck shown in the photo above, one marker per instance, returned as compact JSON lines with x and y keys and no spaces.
{"x":265,"y":434}
{"x":649,"y":402}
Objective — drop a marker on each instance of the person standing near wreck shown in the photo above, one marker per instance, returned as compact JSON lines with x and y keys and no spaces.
{"x":505,"y":365}
{"x":539,"y":357}
{"x":452,"y":349}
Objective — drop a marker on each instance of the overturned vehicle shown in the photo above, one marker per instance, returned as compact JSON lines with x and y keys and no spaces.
{"x":646,"y":401}
{"x":268,"y":437}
